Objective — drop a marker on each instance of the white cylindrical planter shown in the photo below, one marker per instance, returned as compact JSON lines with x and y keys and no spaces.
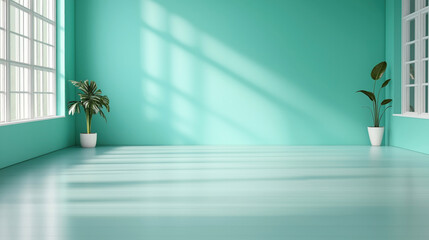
{"x":376,"y":135}
{"x":88,"y":140}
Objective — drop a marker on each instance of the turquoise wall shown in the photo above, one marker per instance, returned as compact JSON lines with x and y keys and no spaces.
{"x":20,"y":142}
{"x":410,"y":133}
{"x":231,"y":71}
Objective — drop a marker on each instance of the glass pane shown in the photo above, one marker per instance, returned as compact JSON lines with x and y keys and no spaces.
{"x":44,"y":105}
{"x":44,"y":31}
{"x":411,"y":52}
{"x":19,"y":21}
{"x":25,"y":3}
{"x":411,"y":73}
{"x":45,"y":8}
{"x":2,"y":14}
{"x":2,"y":107}
{"x":411,"y":99}
{"x":44,"y":81}
{"x":44,"y":55}
{"x":2,"y":77}
{"x":426,"y":2}
{"x":425,"y":50}
{"x":426,"y":71}
{"x":2,"y":44}
{"x":412,"y":29}
{"x":411,"y":6}
{"x":426,"y":109}
{"x":19,"y":49}
{"x":19,"y":79}
{"x":425,"y":27}
{"x":19,"y":106}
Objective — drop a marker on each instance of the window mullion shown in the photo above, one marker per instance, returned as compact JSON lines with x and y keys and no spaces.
{"x":55,"y":58}
{"x":7,"y":61}
{"x":31,"y":74}
{"x":404,"y":51}
{"x":418,"y":70}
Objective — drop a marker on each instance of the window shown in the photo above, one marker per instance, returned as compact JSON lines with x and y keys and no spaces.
{"x":27,"y":60}
{"x":415,"y":58}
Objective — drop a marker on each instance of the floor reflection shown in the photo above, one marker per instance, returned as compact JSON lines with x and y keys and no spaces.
{"x":217,"y":193}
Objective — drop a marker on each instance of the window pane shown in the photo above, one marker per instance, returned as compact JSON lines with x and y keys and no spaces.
{"x":412,"y":30}
{"x":426,"y":108}
{"x":19,"y":79}
{"x":44,"y":81}
{"x":2,"y":78}
{"x":2,"y":107}
{"x":426,"y":2}
{"x":425,"y":49}
{"x":44,"y":31}
{"x":19,"y":21}
{"x":2,"y":14}
{"x":411,"y":5}
{"x":425,"y":27}
{"x":45,"y":8}
{"x":25,"y":3}
{"x":411,"y":99}
{"x":2,"y":44}
{"x":411,"y":73}
{"x":19,"y":106}
{"x":426,"y":71}
{"x":44,"y":105}
{"x":411,"y":52}
{"x":44,"y":55}
{"x":19,"y":49}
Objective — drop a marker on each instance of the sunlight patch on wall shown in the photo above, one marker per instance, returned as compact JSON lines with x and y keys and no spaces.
{"x":154,"y":15}
{"x":211,"y":89}
{"x":183,"y":31}
{"x":153,"y":53}
{"x":60,"y":65}
{"x":183,"y":73}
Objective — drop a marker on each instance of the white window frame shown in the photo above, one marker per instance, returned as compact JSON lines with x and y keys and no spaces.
{"x":420,"y":103}
{"x":31,"y":66}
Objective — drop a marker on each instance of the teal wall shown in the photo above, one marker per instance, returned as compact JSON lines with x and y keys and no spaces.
{"x":410,"y":133}
{"x":20,"y":142}
{"x":230,"y":71}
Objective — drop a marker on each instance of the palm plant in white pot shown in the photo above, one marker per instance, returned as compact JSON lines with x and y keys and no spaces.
{"x":92,"y":103}
{"x":378,"y":107}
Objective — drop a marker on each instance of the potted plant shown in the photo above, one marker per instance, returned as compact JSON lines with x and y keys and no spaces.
{"x":378,"y":107}
{"x":92,"y":103}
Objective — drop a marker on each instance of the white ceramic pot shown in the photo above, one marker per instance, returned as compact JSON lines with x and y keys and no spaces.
{"x":376,"y":135}
{"x":88,"y":140}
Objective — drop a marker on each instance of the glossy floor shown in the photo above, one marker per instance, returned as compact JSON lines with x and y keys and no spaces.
{"x":217,"y":193}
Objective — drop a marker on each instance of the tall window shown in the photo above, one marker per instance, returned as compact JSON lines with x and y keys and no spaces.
{"x":27,"y":60}
{"x":415,"y":58}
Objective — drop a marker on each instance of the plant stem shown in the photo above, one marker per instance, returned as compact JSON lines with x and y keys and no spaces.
{"x":88,"y":122}
{"x":375,"y":106}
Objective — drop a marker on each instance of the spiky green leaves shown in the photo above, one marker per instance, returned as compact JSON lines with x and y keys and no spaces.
{"x":378,"y":71}
{"x":370,"y":95}
{"x":74,"y":107}
{"x":90,"y":99}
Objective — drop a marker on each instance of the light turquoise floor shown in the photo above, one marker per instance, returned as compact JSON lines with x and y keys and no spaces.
{"x":204,"y":193}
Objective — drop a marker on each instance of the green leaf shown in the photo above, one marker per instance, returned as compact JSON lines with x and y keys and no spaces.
{"x":91,"y":99}
{"x":370,"y":95}
{"x":378,"y":70}
{"x":386,"y":101}
{"x":385,"y":83}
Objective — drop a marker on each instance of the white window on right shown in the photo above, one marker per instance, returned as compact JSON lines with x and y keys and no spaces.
{"x":415,"y":58}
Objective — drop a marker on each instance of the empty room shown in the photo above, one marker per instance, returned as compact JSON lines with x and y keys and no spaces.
{"x":214,"y":119}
